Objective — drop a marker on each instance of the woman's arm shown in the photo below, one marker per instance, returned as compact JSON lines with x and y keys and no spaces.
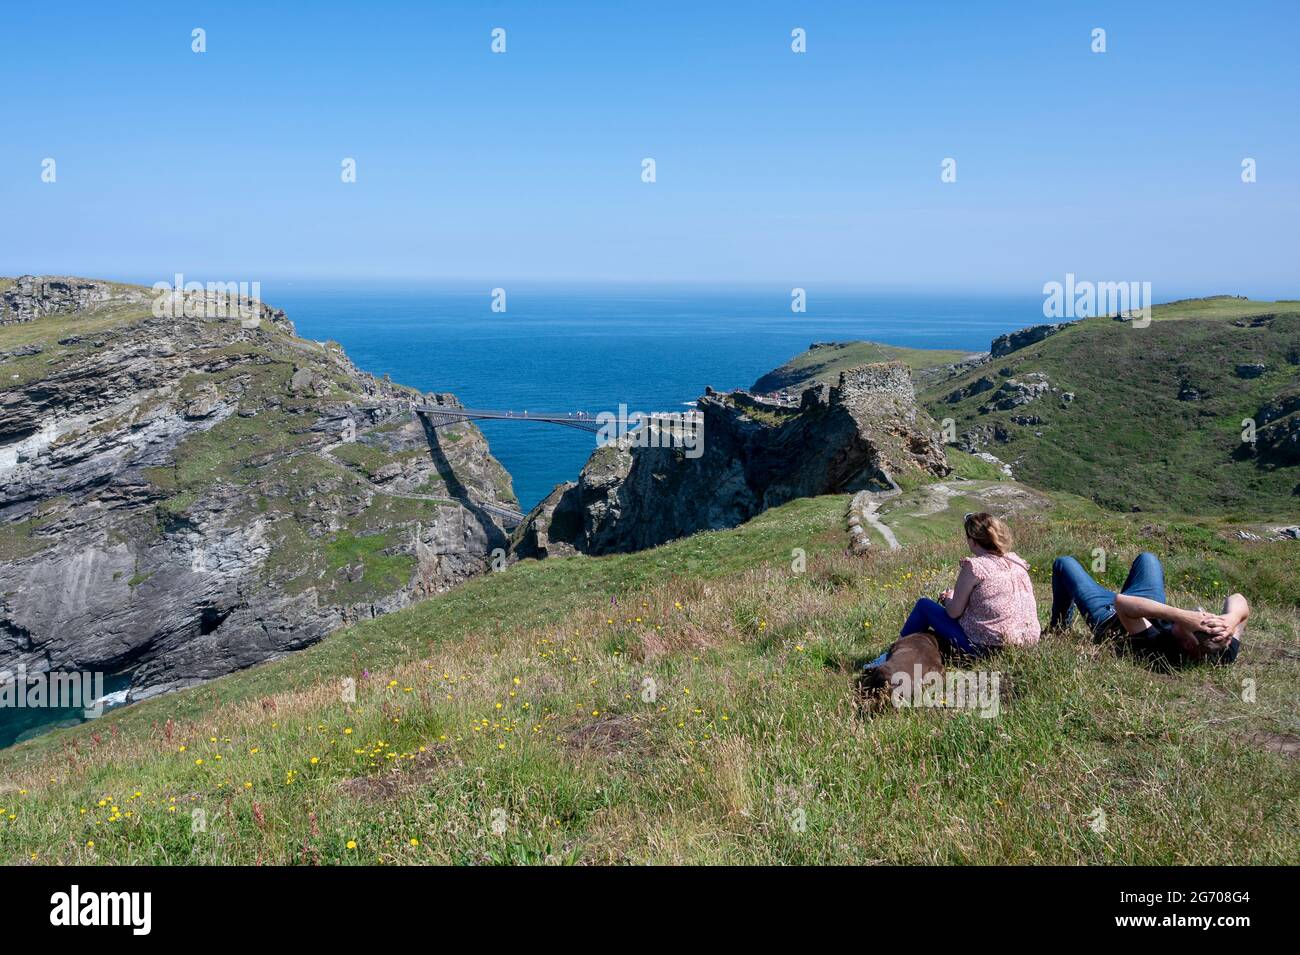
{"x":961,"y":591}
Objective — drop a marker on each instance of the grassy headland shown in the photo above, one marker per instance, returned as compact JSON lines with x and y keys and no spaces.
{"x":510,"y":720}
{"x":1138,"y":418}
{"x":1150,"y":418}
{"x":824,"y":362}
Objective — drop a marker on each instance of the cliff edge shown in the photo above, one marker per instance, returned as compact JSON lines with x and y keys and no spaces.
{"x":190,"y":493}
{"x":864,"y":432}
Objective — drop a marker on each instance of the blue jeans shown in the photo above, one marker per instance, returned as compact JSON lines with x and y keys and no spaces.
{"x":931,"y":615}
{"x":1072,"y":587}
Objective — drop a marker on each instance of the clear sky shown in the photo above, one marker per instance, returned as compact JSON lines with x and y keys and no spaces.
{"x":772,"y":166}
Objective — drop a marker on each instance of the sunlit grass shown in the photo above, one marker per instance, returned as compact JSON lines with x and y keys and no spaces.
{"x":692,"y":704}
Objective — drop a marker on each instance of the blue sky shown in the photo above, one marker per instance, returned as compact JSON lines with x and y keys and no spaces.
{"x":806,"y":169}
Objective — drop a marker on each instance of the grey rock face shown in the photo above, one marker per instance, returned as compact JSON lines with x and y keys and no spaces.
{"x":31,"y":297}
{"x":180,"y":498}
{"x":1250,"y":370}
{"x":851,"y":437}
{"x":1015,"y":392}
{"x":1014,"y":341}
{"x":976,"y":439}
{"x":978,"y":386}
{"x":1280,"y":407}
{"x":1278,"y":443}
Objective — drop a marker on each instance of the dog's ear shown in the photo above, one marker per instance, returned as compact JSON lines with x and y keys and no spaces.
{"x":869,"y":681}
{"x":870,"y":696}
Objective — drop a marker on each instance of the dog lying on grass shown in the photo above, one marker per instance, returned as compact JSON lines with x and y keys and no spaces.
{"x":905,"y":655}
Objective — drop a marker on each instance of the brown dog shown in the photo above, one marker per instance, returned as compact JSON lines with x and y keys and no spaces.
{"x":915,"y":649}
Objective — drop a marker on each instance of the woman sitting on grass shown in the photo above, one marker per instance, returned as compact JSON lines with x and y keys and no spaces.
{"x":1140,"y":621}
{"x":991,"y":605}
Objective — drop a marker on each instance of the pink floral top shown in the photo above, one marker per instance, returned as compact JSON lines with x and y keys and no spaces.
{"x":1001,"y":609}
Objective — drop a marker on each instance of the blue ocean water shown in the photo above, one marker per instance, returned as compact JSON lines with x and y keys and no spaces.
{"x":593,"y":348}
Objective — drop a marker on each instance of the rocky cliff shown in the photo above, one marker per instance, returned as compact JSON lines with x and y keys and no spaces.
{"x":862,"y":433}
{"x":1004,"y":345}
{"x":186,"y":495}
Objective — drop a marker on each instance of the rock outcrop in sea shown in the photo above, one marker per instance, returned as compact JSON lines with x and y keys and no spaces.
{"x":187,"y":495}
{"x":863,"y":433}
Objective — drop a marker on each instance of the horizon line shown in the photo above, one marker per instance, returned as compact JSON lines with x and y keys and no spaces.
{"x":720,"y":284}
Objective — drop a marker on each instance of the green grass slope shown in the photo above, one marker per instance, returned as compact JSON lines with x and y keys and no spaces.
{"x":1158,"y":413}
{"x":1219,"y":308}
{"x":692,"y":704}
{"x":823,"y":363}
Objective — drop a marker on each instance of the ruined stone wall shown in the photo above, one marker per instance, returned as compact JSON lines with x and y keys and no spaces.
{"x":883,"y":380}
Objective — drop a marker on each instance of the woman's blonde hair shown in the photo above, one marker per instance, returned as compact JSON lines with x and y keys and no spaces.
{"x":989,"y":532}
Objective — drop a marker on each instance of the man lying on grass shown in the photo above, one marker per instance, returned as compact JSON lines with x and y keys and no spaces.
{"x":1140,"y":620}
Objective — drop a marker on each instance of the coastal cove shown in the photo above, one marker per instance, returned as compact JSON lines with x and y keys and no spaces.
{"x":286,"y":395}
{"x":589,"y":349}
{"x":592,"y":348}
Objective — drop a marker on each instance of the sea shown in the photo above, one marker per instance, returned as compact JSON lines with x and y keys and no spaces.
{"x":596,"y":348}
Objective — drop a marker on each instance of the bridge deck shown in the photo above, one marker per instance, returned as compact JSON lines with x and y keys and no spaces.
{"x":581,"y":420}
{"x":573,"y":418}
{"x":509,"y":517}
